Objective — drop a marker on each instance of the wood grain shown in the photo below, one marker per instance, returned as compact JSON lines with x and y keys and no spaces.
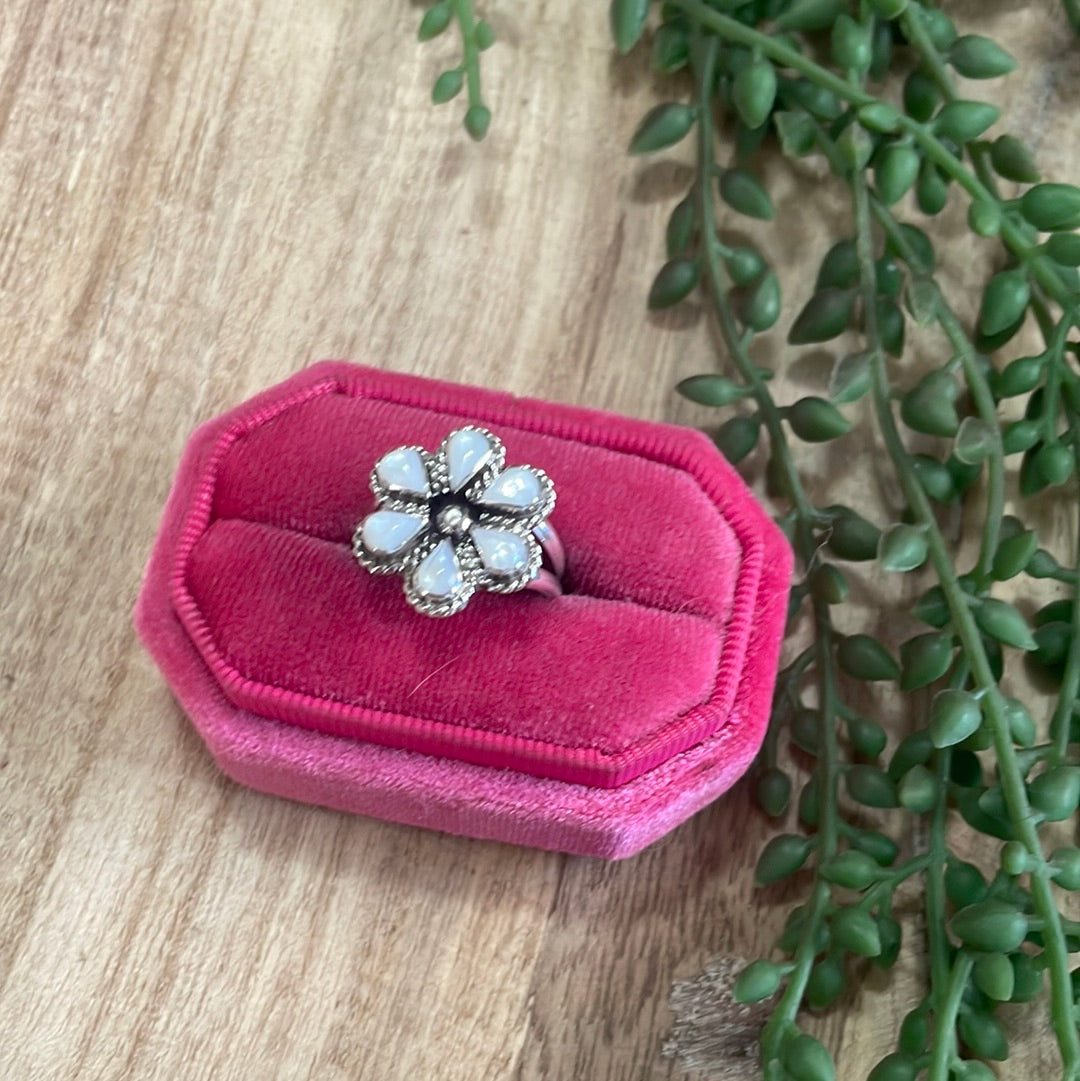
{"x":195,"y":201}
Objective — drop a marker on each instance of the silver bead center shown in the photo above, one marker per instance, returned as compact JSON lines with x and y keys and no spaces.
{"x":453,"y":521}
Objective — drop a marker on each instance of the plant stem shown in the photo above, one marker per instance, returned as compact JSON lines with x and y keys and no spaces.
{"x":943,"y":1045}
{"x":1070,"y":679}
{"x":466,"y":20}
{"x":934,"y":149}
{"x":963,"y":620}
{"x":703,"y":62}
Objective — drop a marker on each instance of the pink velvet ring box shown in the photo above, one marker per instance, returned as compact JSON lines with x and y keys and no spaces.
{"x":592,"y":723}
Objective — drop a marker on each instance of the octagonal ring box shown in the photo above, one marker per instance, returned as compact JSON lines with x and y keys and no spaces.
{"x":592,"y":723}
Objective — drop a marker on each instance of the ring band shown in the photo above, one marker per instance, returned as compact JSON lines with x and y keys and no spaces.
{"x":458,"y":520}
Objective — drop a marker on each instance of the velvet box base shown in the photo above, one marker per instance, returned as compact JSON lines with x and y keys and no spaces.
{"x":554,"y":771}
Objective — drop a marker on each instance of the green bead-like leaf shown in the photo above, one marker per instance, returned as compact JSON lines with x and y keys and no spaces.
{"x":1054,"y":463}
{"x":826,"y":983}
{"x":974,"y":441}
{"x":890,"y":326}
{"x":737,"y":437}
{"x":826,"y":315}
{"x":1027,"y":978}
{"x":863,"y":657}
{"x":867,"y":737}
{"x":939,"y":27}
{"x":918,"y":790}
{"x":850,"y":378}
{"x":742,"y":192}
{"x":853,"y":538}
{"x":984,"y":1035}
{"x":993,"y":975}
{"x":483,"y":35}
{"x":954,"y":715}
{"x":840,"y":267}
{"x":903,"y":548}
{"x":962,"y":121}
{"x":985,"y":218}
{"x":781,"y":857}
{"x":929,"y":406}
{"x":1020,"y":376}
{"x":675,"y":281}
{"x":1065,"y":867}
{"x":680,"y":228}
{"x":627,"y":19}
{"x":670,"y":48}
{"x":1052,"y":641}
{"x":1064,"y":249}
{"x":1056,"y":793}
{"x":447,"y":86}
{"x":1001,"y":621}
{"x":758,"y":981}
{"x":477,"y":121}
{"x":924,"y":659}
{"x":964,"y":884}
{"x":1052,"y":207}
{"x":773,"y":791}
{"x":895,"y":171}
{"x":889,"y":9}
{"x":663,"y":126}
{"x":857,"y":931}
{"x":754,"y":91}
{"x":931,"y":190}
{"x":809,"y":15}
{"x":817,"y":420}
{"x":932,"y":608}
{"x":977,"y":57}
{"x":990,"y":926}
{"x":1004,"y":301}
{"x":921,"y":96}
{"x":935,"y":478}
{"x":435,"y":20}
{"x":805,"y":1058}
{"x":744,"y":265}
{"x":880,"y":117}
{"x":870,"y":786}
{"x":714,"y":390}
{"x":762,"y":307}
{"x":828,"y":585}
{"x":923,"y":301}
{"x":1013,"y":161}
{"x":1012,"y":555}
{"x":796,"y":133}
{"x":883,"y":850}
{"x":895,"y":1067}
{"x":851,"y":45}
{"x":851,"y":869}
{"x":1020,"y":436}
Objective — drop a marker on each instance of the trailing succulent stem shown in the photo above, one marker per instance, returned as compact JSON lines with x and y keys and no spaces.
{"x":476,"y":36}
{"x":975,"y":755}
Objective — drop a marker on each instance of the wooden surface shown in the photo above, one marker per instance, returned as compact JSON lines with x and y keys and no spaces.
{"x":197,"y":199}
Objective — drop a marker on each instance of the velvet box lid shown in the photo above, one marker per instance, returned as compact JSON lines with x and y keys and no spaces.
{"x":590,"y":723}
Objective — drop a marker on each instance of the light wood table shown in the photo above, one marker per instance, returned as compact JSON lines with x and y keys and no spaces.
{"x":196,"y":200}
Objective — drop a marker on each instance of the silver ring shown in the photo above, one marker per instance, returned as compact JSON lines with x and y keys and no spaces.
{"x":457,"y":521}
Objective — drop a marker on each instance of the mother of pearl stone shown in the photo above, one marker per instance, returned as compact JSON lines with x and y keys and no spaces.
{"x":387,"y":532}
{"x":439,"y":573}
{"x":467,"y":452}
{"x":502,"y":553}
{"x":517,"y":488}
{"x":402,"y":470}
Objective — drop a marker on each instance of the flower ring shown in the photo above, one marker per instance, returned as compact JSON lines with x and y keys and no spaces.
{"x":457,"y":521}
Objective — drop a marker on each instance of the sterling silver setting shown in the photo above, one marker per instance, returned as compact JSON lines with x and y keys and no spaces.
{"x":456,"y":521}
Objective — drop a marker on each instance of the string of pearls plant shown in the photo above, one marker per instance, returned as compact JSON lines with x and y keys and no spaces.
{"x":816,"y":77}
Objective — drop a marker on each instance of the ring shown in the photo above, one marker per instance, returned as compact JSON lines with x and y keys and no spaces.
{"x":457,"y":521}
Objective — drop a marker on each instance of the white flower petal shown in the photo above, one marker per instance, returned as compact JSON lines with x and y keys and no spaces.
{"x":439,"y":573}
{"x":467,"y":452}
{"x":503,"y":554}
{"x":388,"y":532}
{"x":516,"y":489}
{"x":402,"y":471}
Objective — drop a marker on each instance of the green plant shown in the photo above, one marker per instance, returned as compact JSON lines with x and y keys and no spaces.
{"x":802,"y":74}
